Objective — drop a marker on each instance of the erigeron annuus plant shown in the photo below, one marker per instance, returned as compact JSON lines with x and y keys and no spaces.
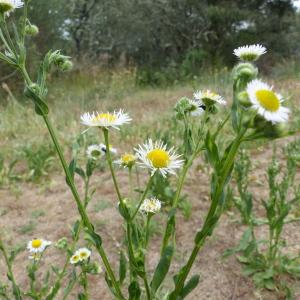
{"x":255,"y":112}
{"x":267,"y":259}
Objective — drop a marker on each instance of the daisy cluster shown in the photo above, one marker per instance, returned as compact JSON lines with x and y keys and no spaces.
{"x":81,"y":255}
{"x":262,"y":97}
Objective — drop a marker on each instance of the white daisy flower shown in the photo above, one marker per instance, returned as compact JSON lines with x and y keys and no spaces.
{"x":7,"y":6}
{"x":94,"y":152}
{"x":38,"y":245}
{"x":127,"y":160}
{"x":267,"y":102}
{"x":103,"y":149}
{"x":75,"y":259}
{"x":208,"y":98}
{"x":106,"y":120}
{"x":83,"y":253}
{"x":152,"y":205}
{"x":155,"y":156}
{"x":197,"y":108}
{"x":250,"y":52}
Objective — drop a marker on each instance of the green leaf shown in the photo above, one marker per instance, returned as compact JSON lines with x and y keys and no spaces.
{"x":41,"y":108}
{"x":244,"y":243}
{"x":242,"y":259}
{"x":80,"y":172}
{"x":134,"y":291}
{"x":94,"y":238}
{"x":191,"y":284}
{"x":212,"y":150}
{"x":122,"y":267}
{"x":75,"y":229}
{"x":68,"y":288}
{"x":162,"y":268}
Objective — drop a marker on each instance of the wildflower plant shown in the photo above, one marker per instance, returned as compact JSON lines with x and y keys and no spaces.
{"x":156,"y":158}
{"x":265,"y":258}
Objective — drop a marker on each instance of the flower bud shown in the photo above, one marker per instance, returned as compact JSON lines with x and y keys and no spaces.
{"x":245,"y":71}
{"x":31,"y":30}
{"x":61,"y":61}
{"x":62,"y":243}
{"x":67,"y":65}
{"x":243,"y":99}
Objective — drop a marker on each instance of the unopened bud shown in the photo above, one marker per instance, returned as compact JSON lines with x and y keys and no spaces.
{"x":31,"y":30}
{"x":67,"y":65}
{"x":243,"y":99}
{"x":245,"y":71}
{"x":62,"y":243}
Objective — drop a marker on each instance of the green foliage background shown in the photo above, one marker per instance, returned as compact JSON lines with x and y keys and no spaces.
{"x":177,"y":38}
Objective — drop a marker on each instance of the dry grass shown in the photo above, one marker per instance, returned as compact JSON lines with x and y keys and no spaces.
{"x":29,"y":210}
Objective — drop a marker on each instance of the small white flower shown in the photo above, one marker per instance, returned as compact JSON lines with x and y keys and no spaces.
{"x":155,"y":156}
{"x":152,"y":205}
{"x":83,"y":253}
{"x":38,"y":245}
{"x":197,"y":108}
{"x":127,"y":160}
{"x":250,"y":52}
{"x":208,"y":98}
{"x":267,"y":103}
{"x":106,"y":120}
{"x":75,"y":259}
{"x":111,"y":149}
{"x":94,"y":152}
{"x":8,"y":6}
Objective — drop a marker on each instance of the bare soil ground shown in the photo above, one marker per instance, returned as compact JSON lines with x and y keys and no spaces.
{"x":52,"y":211}
{"x":48,"y":211}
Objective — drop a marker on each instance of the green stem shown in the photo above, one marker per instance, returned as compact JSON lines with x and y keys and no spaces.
{"x":148,"y":293}
{"x":149,"y":216}
{"x":61,"y":275}
{"x":142,"y":197}
{"x":130,"y":183}
{"x":109,"y":160}
{"x":80,"y":207}
{"x":130,"y":251}
{"x":86,"y":192}
{"x":85,"y":286}
{"x":209,"y":221}
{"x":16,"y":289}
{"x":178,"y":191}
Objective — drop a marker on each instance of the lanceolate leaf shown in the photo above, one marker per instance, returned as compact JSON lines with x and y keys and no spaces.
{"x":162,"y":268}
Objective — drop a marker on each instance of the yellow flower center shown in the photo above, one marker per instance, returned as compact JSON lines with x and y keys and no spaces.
{"x":106,"y":117}
{"x":127,"y":158}
{"x":96,"y":153}
{"x":36,"y":244}
{"x":209,"y":94}
{"x":159,"y":158}
{"x":268,"y":100}
{"x":83,"y":255}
